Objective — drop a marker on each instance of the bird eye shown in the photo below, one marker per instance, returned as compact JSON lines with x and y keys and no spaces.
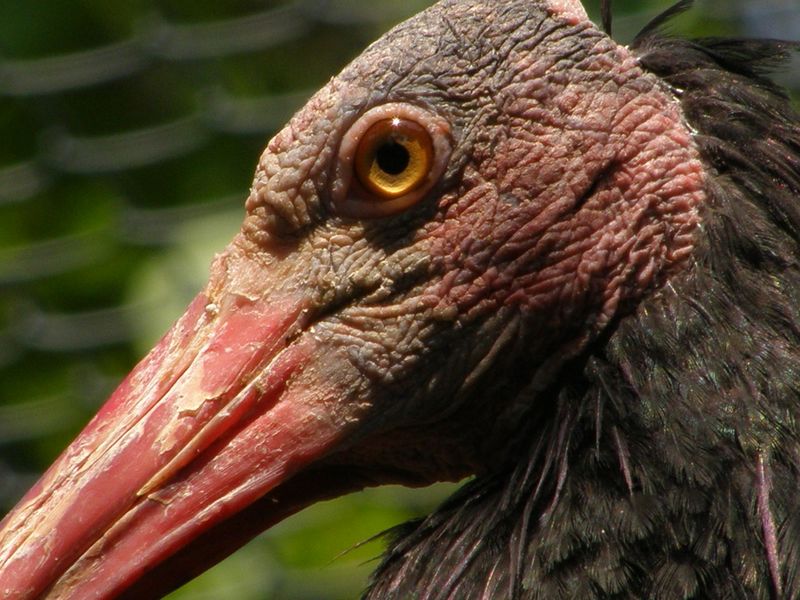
{"x":393,"y":158}
{"x":389,"y":160}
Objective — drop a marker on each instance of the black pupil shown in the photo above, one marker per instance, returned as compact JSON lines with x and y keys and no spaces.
{"x":392,"y":157}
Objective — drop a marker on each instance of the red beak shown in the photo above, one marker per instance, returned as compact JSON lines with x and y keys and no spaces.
{"x":221,"y":412}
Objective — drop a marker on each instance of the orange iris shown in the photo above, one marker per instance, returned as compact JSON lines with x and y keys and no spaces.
{"x":394,"y":158}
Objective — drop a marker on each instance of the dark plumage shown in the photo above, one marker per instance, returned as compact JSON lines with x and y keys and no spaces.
{"x":630,"y":407}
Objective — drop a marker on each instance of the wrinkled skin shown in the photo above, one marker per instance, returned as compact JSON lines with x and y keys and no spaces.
{"x":572,"y":190}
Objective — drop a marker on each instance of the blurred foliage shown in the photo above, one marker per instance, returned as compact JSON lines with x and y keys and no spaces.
{"x":129,"y":131}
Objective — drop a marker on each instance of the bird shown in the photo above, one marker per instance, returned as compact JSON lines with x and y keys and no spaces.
{"x":497,"y":245}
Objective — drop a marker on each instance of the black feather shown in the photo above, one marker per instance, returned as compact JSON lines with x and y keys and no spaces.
{"x":655,"y":27}
{"x":606,"y":16}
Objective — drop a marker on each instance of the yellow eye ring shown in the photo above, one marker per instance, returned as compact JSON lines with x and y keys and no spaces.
{"x":393,"y":158}
{"x":388,"y":160}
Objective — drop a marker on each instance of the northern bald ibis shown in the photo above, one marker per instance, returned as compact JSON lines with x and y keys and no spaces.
{"x":500,"y":244}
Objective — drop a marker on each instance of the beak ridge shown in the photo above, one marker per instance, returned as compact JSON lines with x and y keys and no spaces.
{"x":224,"y":409}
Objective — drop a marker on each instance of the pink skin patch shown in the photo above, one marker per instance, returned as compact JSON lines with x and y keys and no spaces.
{"x":588,"y":200}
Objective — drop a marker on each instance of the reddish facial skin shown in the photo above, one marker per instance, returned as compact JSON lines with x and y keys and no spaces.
{"x":313,"y":362}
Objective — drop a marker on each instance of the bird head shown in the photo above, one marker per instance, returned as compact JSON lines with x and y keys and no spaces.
{"x":426,"y":244}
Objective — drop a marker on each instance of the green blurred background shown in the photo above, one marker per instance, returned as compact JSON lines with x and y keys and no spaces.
{"x":130,"y":131}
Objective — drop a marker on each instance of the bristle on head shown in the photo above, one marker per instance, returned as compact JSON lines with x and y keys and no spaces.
{"x":605,"y":15}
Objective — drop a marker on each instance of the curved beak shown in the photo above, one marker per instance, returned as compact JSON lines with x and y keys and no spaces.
{"x":226,"y":409}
